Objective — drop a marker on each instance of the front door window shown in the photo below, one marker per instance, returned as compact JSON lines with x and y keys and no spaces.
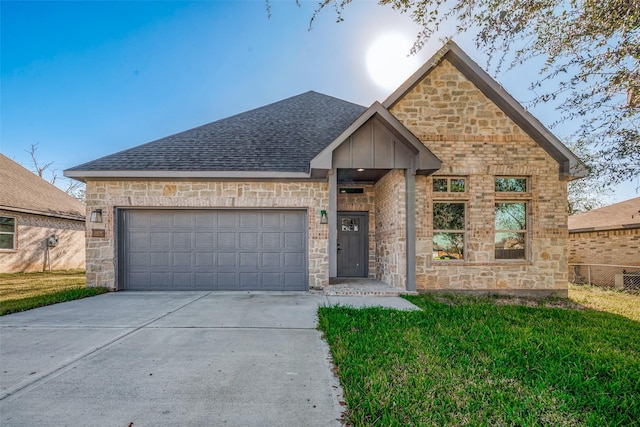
{"x":352,"y":244}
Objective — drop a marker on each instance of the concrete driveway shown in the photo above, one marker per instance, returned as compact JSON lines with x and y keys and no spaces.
{"x":172,"y":358}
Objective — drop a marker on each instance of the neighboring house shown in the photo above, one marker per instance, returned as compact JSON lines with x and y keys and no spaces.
{"x":606,"y":236}
{"x":41,"y":226}
{"x":447,"y":184}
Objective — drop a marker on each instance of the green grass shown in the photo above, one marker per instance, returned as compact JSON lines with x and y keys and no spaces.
{"x":24,"y":291}
{"x":470,"y":361}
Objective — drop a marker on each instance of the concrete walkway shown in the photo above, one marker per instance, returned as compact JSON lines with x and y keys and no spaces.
{"x":172,"y":359}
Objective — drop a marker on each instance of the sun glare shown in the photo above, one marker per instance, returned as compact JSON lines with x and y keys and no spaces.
{"x":388,"y":60}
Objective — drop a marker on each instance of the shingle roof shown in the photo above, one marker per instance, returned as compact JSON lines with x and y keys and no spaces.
{"x":617,"y":216}
{"x":279,"y":137}
{"x":24,"y":191}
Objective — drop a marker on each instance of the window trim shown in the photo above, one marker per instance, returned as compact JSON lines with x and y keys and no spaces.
{"x":449,"y":179}
{"x":14,"y":233}
{"x":525,"y":232}
{"x":463,"y":231}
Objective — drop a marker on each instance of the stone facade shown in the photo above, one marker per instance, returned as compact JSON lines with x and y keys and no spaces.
{"x":611,"y":247}
{"x":391,"y":249}
{"x":474,"y":139}
{"x":32,"y":252}
{"x":111,"y":195}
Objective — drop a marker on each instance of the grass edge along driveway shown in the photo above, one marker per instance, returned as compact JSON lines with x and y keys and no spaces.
{"x":24,"y":291}
{"x":467,"y":361}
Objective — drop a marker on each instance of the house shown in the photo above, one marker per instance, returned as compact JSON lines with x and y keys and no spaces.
{"x":294,"y":194}
{"x":605,"y":243}
{"x":41,"y":227}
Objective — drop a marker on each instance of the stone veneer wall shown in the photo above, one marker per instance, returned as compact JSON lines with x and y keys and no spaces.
{"x":613,"y":247}
{"x":391,"y":249}
{"x":31,"y":249}
{"x":476,"y":140}
{"x":109,"y":195}
{"x":364,"y":202}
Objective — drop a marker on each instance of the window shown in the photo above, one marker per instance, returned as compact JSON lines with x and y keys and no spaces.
{"x":7,"y":232}
{"x":511,"y":185}
{"x":448,"y":231}
{"x":448,"y":185}
{"x":511,"y":230}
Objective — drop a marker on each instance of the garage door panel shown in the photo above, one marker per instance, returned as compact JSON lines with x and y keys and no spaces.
{"x":249,"y":260}
{"x":206,"y":280}
{"x":271,"y":240}
{"x":159,"y":259}
{"x":158,"y":239}
{"x":181,"y":239}
{"x":227,"y":260}
{"x":213,"y":250}
{"x":181,"y":280}
{"x":293,"y":260}
{"x":271,"y":220}
{"x":249,"y":280}
{"x":158,"y":220}
{"x":249,"y":239}
{"x":140,"y":259}
{"x":294,"y":240}
{"x":205,"y":240}
{"x":182,"y":260}
{"x":205,"y":220}
{"x":250,"y":219}
{"x":138,"y":240}
{"x":227,"y":219}
{"x":271,"y":260}
{"x":205,"y":260}
{"x":227,"y":240}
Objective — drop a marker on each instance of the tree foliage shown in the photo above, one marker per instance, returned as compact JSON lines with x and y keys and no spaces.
{"x":590,"y":51}
{"x":73,"y":188}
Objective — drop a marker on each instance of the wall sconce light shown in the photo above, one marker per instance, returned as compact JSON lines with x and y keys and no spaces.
{"x":96,"y":215}
{"x":324,"y":219}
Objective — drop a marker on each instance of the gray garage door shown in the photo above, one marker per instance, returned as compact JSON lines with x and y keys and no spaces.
{"x":213,"y":250}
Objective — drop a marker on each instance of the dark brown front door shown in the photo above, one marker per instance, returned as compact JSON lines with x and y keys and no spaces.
{"x":352,"y":244}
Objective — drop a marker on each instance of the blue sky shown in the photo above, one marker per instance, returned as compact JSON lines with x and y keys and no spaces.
{"x":86,"y":79}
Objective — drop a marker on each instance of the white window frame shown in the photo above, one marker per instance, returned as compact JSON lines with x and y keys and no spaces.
{"x":14,"y":233}
{"x":524,"y":232}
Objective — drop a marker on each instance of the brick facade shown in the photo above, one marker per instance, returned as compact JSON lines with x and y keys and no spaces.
{"x":32,"y":252}
{"x":110,"y":195}
{"x":474,"y":139}
{"x":611,"y":247}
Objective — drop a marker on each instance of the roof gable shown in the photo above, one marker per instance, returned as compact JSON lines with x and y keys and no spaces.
{"x":569,"y":164}
{"x":387,"y":144}
{"x":278,"y":139}
{"x":23,"y":191}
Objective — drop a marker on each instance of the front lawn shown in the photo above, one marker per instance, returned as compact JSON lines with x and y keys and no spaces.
{"x":471,"y":361}
{"x":24,"y":291}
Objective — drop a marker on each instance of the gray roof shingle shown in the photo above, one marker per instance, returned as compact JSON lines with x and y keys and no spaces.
{"x":279,"y":137}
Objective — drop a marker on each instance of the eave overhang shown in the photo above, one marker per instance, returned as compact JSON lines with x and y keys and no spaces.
{"x":83,"y":176}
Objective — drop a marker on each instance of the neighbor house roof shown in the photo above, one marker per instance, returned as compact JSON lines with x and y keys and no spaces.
{"x":613,"y":217}
{"x":277,"y":140}
{"x":570,"y":164}
{"x":24,"y":191}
